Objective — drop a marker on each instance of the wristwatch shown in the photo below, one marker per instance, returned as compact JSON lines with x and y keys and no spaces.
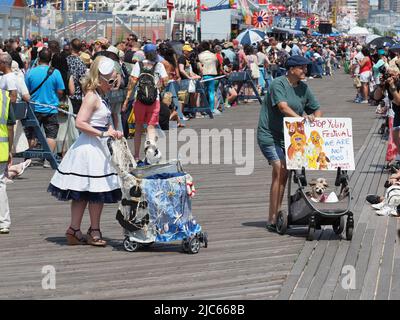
{"x":102,"y":134}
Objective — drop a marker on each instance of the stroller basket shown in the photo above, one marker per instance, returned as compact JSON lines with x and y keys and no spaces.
{"x":146,"y":171}
{"x":301,"y":207}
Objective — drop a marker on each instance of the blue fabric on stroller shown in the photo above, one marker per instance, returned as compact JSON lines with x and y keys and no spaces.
{"x":169,"y":208}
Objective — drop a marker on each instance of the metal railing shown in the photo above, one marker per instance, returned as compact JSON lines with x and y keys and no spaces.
{"x":88,"y":25}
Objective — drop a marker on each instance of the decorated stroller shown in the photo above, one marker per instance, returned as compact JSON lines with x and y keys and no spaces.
{"x":156,"y":203}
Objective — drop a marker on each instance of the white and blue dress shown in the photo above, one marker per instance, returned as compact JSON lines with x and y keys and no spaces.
{"x":86,"y":172}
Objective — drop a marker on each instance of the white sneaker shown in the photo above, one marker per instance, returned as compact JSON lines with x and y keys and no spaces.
{"x":386,"y":211}
{"x":364,"y":102}
{"x":378,"y":206}
{"x":217,"y":112}
{"x":4,"y":230}
{"x":46,"y":164}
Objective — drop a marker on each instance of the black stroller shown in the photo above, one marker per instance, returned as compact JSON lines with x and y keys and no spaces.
{"x":303,"y":212}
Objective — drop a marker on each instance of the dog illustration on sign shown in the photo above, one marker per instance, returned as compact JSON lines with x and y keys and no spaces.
{"x":323,"y":161}
{"x":297,"y":139}
{"x":316,"y":140}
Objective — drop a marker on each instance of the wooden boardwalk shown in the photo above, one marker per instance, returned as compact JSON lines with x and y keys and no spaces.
{"x":243,"y":260}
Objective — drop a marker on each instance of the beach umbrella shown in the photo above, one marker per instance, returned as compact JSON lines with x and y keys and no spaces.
{"x":250,"y":36}
{"x":382,"y":42}
{"x":371,"y":37}
{"x":395,"y":47}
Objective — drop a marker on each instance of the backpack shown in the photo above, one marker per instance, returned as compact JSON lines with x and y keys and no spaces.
{"x":125,"y":76}
{"x":146,"y":88}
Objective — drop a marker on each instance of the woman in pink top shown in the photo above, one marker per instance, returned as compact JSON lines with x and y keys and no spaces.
{"x":365,"y":74}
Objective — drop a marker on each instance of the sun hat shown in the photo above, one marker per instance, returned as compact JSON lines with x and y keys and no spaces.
{"x":295,"y":61}
{"x":102,"y":41}
{"x":187,"y":47}
{"x":85,"y":57}
{"x":138,"y":56}
{"x":113,"y":49}
{"x":106,"y":66}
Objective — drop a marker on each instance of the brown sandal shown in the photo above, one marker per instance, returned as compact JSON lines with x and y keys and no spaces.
{"x":95,"y":241}
{"x":72,"y":239}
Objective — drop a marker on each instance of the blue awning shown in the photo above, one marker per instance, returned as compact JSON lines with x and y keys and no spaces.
{"x":287,"y":30}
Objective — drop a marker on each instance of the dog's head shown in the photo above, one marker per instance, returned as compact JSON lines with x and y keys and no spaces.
{"x":298,"y":159}
{"x":298,"y":140}
{"x":315,"y":138}
{"x":153,"y":154}
{"x":318,"y":187}
{"x":322,"y":158}
{"x":294,"y":127}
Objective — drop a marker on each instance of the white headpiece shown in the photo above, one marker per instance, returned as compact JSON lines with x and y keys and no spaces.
{"x":106,"y":66}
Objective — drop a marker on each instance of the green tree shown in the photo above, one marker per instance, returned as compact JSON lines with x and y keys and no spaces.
{"x":376,"y":31}
{"x":390,"y":33}
{"x":361,"y":22}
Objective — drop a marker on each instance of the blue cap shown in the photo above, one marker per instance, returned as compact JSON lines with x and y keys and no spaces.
{"x":149,"y":47}
{"x":295,"y":61}
{"x":381,"y":51}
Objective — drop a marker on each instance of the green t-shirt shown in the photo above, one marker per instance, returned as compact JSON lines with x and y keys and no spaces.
{"x":299,"y":98}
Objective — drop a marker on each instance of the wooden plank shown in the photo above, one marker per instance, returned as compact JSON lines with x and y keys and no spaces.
{"x":386,"y":268}
{"x":323,"y":270}
{"x":311,"y":268}
{"x":371,"y":276}
{"x":297,"y":270}
{"x":395,"y":281}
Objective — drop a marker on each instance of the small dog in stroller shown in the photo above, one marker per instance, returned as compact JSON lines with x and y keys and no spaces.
{"x":304,"y":211}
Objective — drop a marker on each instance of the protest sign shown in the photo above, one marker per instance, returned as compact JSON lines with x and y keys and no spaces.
{"x":325,"y":144}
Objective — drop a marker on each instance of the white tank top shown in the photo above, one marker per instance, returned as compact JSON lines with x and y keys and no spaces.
{"x":102,"y":116}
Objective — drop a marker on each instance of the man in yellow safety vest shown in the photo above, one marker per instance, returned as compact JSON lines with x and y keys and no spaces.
{"x":7,"y":121}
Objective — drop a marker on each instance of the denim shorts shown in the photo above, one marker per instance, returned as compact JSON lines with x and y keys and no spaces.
{"x":273,"y":153}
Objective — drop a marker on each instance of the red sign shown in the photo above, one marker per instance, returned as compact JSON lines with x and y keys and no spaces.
{"x":260,"y":19}
{"x":312,"y":22}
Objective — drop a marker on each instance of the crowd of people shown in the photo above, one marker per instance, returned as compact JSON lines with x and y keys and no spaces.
{"x":105,"y":86}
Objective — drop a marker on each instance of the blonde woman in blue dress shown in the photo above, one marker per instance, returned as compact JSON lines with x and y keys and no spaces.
{"x":85,"y":174}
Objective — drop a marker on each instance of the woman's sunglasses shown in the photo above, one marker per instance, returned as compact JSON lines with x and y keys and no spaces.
{"x":111,"y":82}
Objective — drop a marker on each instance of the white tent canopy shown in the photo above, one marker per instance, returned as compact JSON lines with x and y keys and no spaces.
{"x":358,"y":31}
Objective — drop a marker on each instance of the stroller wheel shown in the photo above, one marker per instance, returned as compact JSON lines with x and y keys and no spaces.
{"x":185,"y":245}
{"x":194,"y":245}
{"x":311,"y":231}
{"x":338,"y":226}
{"x":204,"y":239}
{"x":349,"y":233}
{"x":281,"y":222}
{"x":130,"y":246}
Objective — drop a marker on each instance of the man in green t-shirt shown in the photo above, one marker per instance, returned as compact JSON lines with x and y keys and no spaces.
{"x":288,"y":96}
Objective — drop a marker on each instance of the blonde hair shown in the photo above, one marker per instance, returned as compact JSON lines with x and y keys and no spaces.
{"x":91,"y":81}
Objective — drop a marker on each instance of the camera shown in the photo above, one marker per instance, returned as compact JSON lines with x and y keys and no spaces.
{"x":385,"y":75}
